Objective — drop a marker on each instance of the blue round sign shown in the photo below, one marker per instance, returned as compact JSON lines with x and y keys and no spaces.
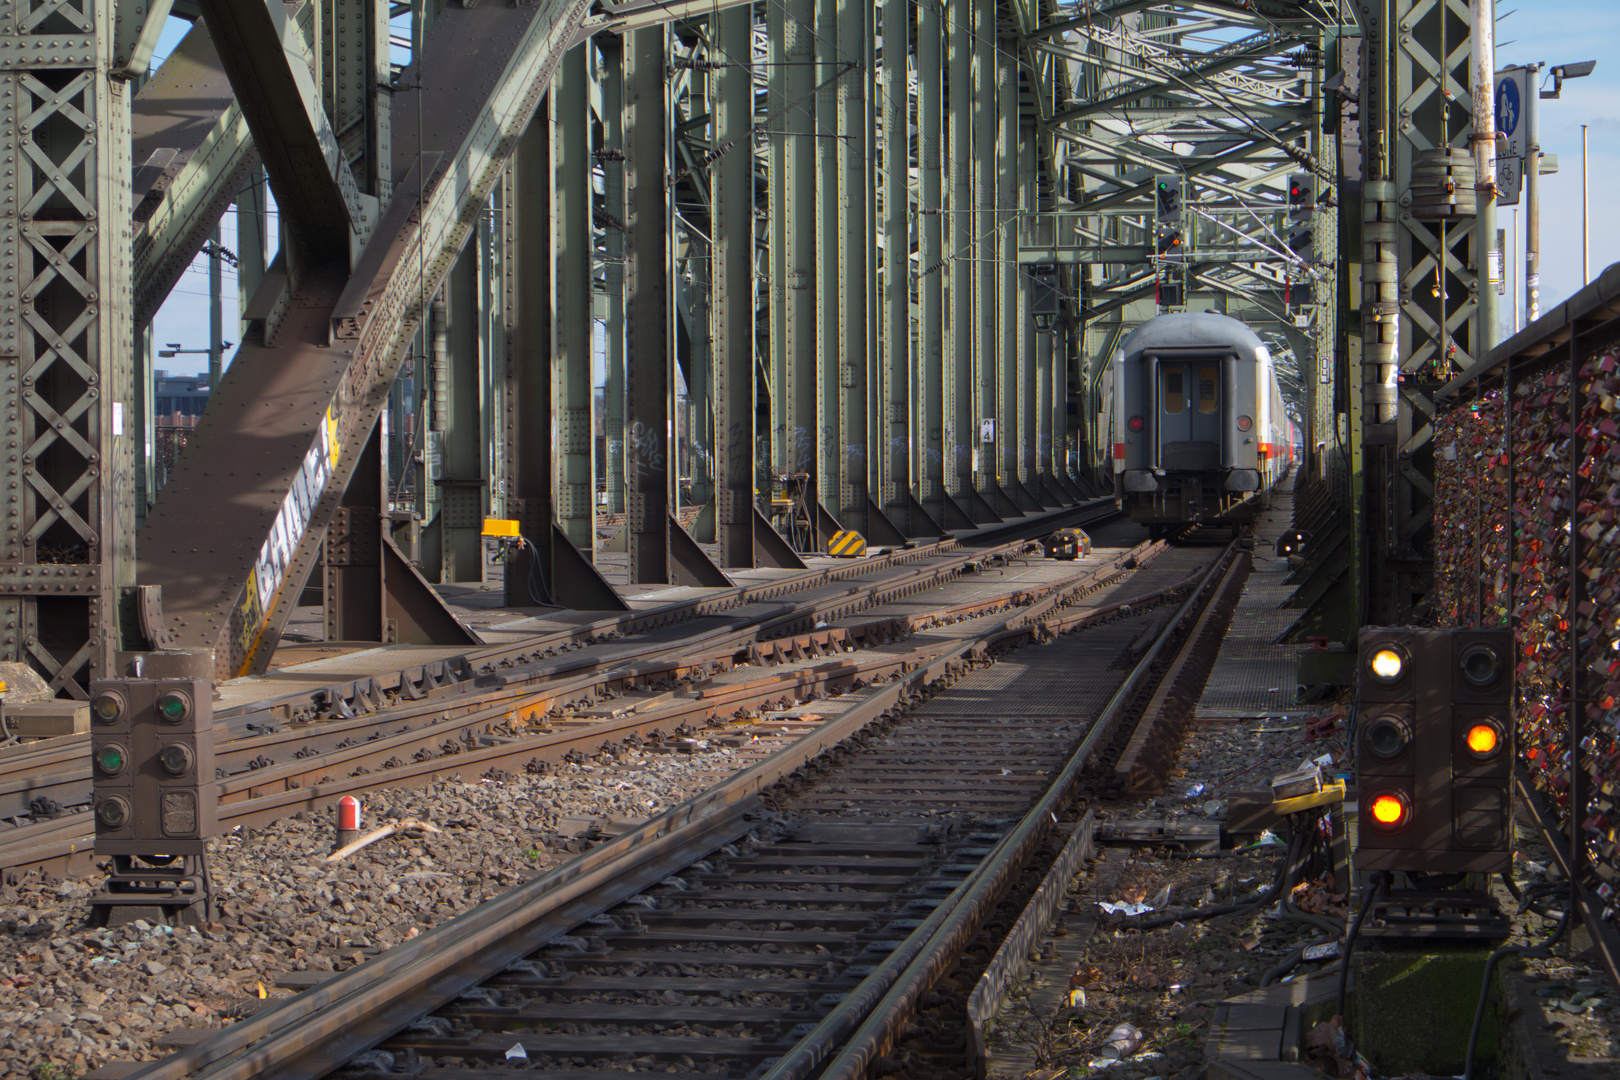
{"x":1507,"y":105}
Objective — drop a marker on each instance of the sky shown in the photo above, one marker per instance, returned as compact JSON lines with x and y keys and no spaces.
{"x":1562,"y":32}
{"x":1529,"y":31}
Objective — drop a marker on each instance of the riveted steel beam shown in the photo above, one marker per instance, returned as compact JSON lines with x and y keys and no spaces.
{"x":930,"y":364}
{"x":793,"y":279}
{"x":961,"y":425}
{"x":332,"y":350}
{"x":137,"y":26}
{"x":573,"y":447}
{"x":192,"y":153}
{"x":271,"y":74}
{"x":71,"y":408}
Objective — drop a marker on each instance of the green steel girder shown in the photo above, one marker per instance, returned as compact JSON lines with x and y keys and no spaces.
{"x":270,"y":68}
{"x":325,"y":363}
{"x":193,"y":154}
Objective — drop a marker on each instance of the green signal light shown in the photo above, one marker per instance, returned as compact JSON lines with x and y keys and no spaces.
{"x":175,"y":759}
{"x":111,"y":760}
{"x":173,"y":707}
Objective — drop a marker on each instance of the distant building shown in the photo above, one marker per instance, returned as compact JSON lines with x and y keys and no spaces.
{"x":186,"y":395}
{"x":177,"y":402}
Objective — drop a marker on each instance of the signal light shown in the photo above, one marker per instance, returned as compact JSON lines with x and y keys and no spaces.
{"x":1387,"y":665}
{"x":1389,"y":810}
{"x":173,"y":707}
{"x":111,"y":759}
{"x":1481,"y":666}
{"x":1482,"y":740}
{"x":1167,"y":198}
{"x":1135,"y":423}
{"x":1301,"y":192}
{"x":108,"y":706}
{"x":1245,"y":423}
{"x":1387,"y":736}
{"x":176,"y":759}
{"x":113,"y":812}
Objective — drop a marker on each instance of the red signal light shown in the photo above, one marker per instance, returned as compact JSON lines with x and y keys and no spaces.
{"x":1136,"y":423}
{"x":1389,"y":810}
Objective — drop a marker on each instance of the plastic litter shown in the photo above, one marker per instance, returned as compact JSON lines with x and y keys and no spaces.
{"x":1321,"y":952}
{"x":1124,"y":907}
{"x":1122,"y":1042}
{"x":517,"y":1053}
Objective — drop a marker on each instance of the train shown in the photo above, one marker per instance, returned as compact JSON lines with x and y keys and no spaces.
{"x":1200,"y":433}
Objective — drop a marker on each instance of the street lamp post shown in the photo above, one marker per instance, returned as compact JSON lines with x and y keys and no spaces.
{"x":1532,"y":176}
{"x":214,"y":354}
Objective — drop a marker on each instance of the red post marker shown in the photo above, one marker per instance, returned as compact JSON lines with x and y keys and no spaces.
{"x":348,"y":829}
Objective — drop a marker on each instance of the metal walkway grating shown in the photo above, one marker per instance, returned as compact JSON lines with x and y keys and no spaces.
{"x":1252,"y":676}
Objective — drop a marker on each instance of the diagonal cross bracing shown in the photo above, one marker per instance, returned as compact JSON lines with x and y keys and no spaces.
{"x":287,"y":419}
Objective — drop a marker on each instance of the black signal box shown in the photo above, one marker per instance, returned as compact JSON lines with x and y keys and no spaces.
{"x":152,"y":766}
{"x":1434,"y":747}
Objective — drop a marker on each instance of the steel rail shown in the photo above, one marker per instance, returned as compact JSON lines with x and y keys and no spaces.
{"x":260,"y":796}
{"x":318,"y":1029}
{"x":861,"y":1026}
{"x":419,"y":679}
{"x":60,"y":774}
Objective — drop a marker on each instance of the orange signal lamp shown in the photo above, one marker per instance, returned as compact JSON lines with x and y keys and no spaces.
{"x":1482,"y":739}
{"x":1388,"y":810}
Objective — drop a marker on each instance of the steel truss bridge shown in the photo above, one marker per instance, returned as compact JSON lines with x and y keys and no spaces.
{"x":552,"y":260}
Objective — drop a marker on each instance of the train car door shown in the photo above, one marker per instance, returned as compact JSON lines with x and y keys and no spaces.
{"x":1190,"y":414}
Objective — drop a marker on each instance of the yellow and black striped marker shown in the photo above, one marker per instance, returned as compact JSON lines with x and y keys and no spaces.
{"x":847,"y":545}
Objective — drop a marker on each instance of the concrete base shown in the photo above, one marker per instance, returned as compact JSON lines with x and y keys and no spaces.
{"x":1394,"y":987}
{"x":1256,"y":1036}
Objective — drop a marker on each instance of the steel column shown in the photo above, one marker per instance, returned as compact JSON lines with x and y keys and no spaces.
{"x":542,"y":366}
{"x":731,"y":181}
{"x":574,"y":462}
{"x":961,"y":424}
{"x":930,"y":421}
{"x":462,"y":494}
{"x":1010,"y":355}
{"x":851,"y":456}
{"x":793,"y":241}
{"x":660,"y":549}
{"x":896,"y":466}
{"x":985,"y":253}
{"x":649,"y":382}
{"x":69,"y":394}
{"x":826,"y":419}
{"x":610,"y":77}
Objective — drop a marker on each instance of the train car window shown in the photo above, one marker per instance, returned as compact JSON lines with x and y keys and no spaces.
{"x":1206,"y":388}
{"x":1173,"y":392}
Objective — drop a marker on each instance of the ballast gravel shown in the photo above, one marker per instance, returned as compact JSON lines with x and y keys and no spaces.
{"x":75,"y":997}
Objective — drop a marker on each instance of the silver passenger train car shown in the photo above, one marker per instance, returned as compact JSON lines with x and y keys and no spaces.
{"x":1200,"y":433}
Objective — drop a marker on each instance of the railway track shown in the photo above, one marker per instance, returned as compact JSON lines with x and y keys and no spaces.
{"x":545,"y":698}
{"x":788,"y":922}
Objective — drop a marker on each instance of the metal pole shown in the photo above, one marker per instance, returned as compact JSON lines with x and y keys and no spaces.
{"x":1586,"y":227}
{"x":1532,"y":197}
{"x":1507,"y":269}
{"x":1484,"y":139}
{"x":1579,"y":793}
{"x":216,"y":316}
